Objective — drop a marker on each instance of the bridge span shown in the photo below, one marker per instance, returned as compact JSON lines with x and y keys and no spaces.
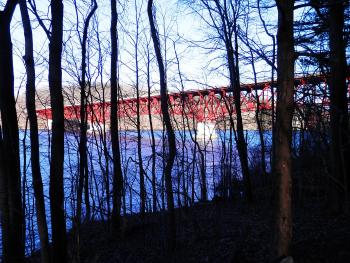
{"x":201,"y":106}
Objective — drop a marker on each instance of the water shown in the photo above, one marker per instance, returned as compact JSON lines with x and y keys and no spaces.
{"x":99,"y":164}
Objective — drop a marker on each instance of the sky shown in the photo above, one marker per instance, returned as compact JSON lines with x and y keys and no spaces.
{"x":179,"y":28}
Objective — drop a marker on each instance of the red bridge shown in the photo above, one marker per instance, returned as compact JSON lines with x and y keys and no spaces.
{"x":203,"y":105}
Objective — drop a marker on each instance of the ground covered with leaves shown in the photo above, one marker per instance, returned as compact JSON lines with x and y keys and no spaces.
{"x":219,"y":232}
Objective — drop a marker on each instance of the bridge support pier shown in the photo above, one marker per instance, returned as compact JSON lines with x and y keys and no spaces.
{"x":49,"y":124}
{"x":97,"y":127}
{"x":206,"y":131}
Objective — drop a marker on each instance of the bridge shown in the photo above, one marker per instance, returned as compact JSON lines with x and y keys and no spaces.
{"x":202,"y":106}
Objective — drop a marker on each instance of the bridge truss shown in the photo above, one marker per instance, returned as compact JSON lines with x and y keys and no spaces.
{"x":207,"y":105}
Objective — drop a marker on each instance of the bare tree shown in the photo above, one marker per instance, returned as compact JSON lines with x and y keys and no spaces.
{"x":58,"y":222}
{"x":11,"y":202}
{"x":153,"y":143}
{"x":83,"y":161}
{"x":171,"y":227}
{"x":117,"y":169}
{"x":143,"y":193}
{"x":34,"y":140}
{"x":340,"y":148}
{"x":284,"y":111}
{"x":223,"y":18}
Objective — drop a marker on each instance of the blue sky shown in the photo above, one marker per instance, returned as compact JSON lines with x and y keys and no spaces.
{"x":199,"y":66}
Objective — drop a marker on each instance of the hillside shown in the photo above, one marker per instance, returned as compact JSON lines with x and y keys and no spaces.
{"x":218,"y":232}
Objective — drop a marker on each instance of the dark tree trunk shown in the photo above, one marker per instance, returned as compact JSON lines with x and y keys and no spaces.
{"x":184,"y":148}
{"x":241,"y":144}
{"x":58,"y":222}
{"x":83,"y":161}
{"x":339,"y":108}
{"x":11,"y":203}
{"x":143,"y":193}
{"x":5,"y":217}
{"x":83,"y":171}
{"x":34,"y":140}
{"x":171,"y":228}
{"x":153,"y":141}
{"x":117,"y":169}
{"x":258,"y":120}
{"x":273,"y":62}
{"x":284,"y":111}
{"x":139,"y":148}
{"x":229,"y":29}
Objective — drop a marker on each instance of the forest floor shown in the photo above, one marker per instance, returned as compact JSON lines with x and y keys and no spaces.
{"x":219,"y":232}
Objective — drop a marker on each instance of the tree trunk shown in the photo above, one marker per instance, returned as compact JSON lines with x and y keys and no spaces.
{"x":143,"y":193}
{"x":241,"y":143}
{"x":34,"y":140}
{"x":240,"y":140}
{"x":258,"y":120}
{"x":83,"y":161}
{"x":58,"y":222}
{"x":5,"y":217}
{"x":11,"y":213}
{"x":284,"y":111}
{"x":339,"y":108}
{"x":169,"y":129}
{"x":153,"y":142}
{"x":117,"y":169}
